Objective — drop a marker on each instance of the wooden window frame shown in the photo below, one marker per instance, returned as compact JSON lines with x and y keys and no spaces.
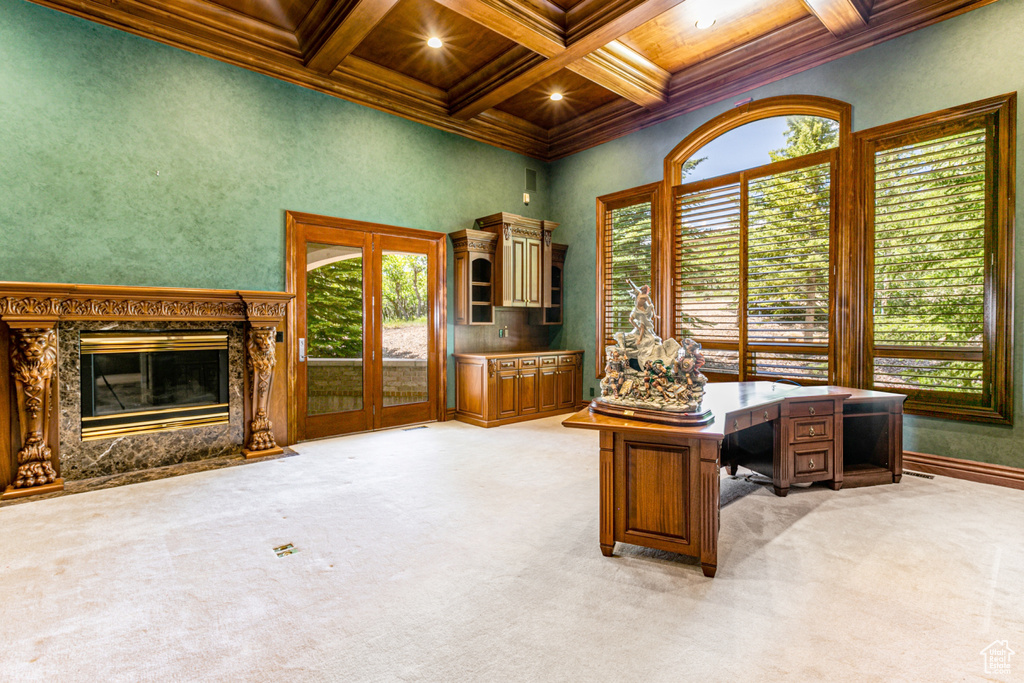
{"x":617,"y":200}
{"x":743,"y":178}
{"x":845,"y":331}
{"x":998,"y":116}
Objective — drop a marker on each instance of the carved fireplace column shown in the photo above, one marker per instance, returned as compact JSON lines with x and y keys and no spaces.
{"x":33,"y":374}
{"x":261,"y":357}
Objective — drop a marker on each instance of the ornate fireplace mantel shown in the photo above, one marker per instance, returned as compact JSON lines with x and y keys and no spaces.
{"x":32,"y":312}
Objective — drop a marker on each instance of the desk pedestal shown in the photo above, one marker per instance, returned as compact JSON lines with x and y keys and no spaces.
{"x":660,"y":491}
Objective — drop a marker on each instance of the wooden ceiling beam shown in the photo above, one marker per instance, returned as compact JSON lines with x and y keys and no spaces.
{"x":345,"y":25}
{"x":626,"y":73}
{"x":516,"y":21}
{"x":599,"y":33}
{"x":516,"y":61}
{"x":841,"y":17}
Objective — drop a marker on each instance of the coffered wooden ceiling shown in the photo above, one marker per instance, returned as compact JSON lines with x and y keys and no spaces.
{"x":619,"y":64}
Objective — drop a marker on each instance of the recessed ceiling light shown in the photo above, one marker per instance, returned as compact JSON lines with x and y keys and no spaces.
{"x":556,"y":96}
{"x":705,"y":22}
{"x":434,"y":42}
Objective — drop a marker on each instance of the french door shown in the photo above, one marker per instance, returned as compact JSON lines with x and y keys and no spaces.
{"x":369,"y":327}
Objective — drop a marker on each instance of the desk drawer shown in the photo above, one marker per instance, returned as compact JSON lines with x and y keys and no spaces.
{"x":569,"y":359}
{"x":736,"y":422}
{"x":812,"y":460}
{"x":811,"y":429}
{"x":507,"y":363}
{"x":761,"y":415}
{"x":548,"y":360}
{"x":810,"y":408}
{"x":527,"y":362}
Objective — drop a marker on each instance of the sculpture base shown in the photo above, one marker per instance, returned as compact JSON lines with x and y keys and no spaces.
{"x":10,"y":492}
{"x":648,"y":415}
{"x":261,"y":454}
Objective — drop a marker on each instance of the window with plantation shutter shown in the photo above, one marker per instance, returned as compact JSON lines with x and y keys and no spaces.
{"x":625,"y":251}
{"x":753,"y":262}
{"x":938,"y":234}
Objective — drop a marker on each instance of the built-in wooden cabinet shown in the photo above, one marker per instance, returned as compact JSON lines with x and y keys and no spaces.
{"x":522,"y":258}
{"x":474,"y":277}
{"x":554,"y":289}
{"x":511,"y":262}
{"x":497,"y":388}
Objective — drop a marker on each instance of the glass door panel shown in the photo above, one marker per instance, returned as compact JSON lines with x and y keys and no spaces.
{"x":370,"y":322}
{"x":405,"y":329}
{"x":334,"y":328}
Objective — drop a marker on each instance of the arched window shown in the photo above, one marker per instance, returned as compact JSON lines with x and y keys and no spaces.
{"x":753,"y":266}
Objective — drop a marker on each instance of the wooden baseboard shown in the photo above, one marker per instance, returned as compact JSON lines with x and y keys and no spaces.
{"x":982,"y":472}
{"x":449,"y":414}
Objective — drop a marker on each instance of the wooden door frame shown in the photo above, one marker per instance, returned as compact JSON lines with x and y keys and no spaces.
{"x":294,"y":220}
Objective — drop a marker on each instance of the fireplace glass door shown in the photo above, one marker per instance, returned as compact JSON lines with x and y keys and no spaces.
{"x":140,"y":382}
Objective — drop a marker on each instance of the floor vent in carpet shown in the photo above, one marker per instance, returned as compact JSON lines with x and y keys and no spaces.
{"x":919,"y":474}
{"x":283,"y":550}
{"x":409,"y":429}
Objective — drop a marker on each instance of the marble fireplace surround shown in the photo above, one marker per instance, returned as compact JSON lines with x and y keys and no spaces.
{"x":82,"y":459}
{"x":40,"y":381}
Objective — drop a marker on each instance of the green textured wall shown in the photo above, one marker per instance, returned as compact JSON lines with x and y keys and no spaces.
{"x":90,"y":115}
{"x":971,"y":57}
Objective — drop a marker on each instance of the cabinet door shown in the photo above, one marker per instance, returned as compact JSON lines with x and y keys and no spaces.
{"x":566,"y":386}
{"x":548,"y":389}
{"x":529,"y":391}
{"x":519,"y":287}
{"x":534,"y":273}
{"x":506,"y":393}
{"x":462,"y":288}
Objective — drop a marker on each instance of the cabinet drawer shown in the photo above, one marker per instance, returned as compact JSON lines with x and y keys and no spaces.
{"x":548,"y":360}
{"x":527,"y":362}
{"x":762,"y":415}
{"x":507,"y":363}
{"x":806,"y":408}
{"x":737,"y":421}
{"x":567,"y":360}
{"x":810,"y":460}
{"x":811,"y":429}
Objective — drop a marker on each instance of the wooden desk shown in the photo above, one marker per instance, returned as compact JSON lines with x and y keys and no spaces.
{"x":660,"y":484}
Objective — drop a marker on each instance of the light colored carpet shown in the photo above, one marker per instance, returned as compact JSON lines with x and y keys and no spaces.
{"x":454,"y":553}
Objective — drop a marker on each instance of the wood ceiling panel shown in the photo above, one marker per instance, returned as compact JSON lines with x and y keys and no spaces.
{"x":673,"y":42}
{"x":610,"y":88}
{"x":286,"y":14}
{"x":578,"y":97}
{"x":399,"y":43}
{"x":565,"y":5}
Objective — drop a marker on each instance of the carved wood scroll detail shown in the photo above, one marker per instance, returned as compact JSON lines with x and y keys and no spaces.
{"x":492,"y":366}
{"x":33,"y":362}
{"x":71,"y":307}
{"x":261,"y":357}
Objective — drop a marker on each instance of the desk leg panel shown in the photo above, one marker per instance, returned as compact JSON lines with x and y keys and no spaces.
{"x":607,"y":522}
{"x":896,"y":443}
{"x":710,"y":452}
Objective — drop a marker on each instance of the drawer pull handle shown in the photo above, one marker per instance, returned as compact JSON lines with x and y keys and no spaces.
{"x":811,"y":431}
{"x":811,"y":464}
{"x":766,"y":415}
{"x":811,"y":410}
{"x":735,"y":424}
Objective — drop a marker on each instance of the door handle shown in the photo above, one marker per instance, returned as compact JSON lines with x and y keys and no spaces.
{"x":302,"y":349}
{"x":811,"y":431}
